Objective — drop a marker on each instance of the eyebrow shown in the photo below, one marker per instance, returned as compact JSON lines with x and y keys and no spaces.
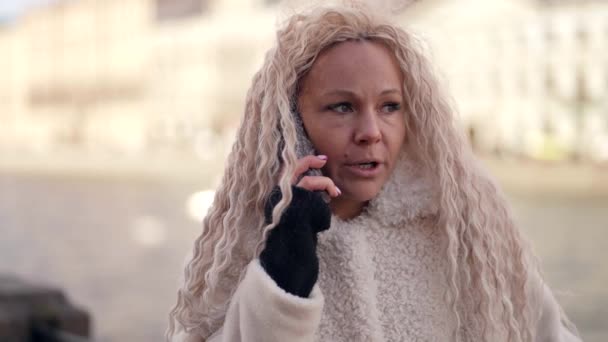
{"x":345,"y":92}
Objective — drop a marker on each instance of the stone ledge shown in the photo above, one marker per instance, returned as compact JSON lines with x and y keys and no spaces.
{"x":25,"y":307}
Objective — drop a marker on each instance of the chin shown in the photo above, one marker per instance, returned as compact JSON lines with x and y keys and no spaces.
{"x":364,"y":193}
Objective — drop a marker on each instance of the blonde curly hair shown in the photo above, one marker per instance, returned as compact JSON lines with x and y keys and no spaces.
{"x":490,"y":265}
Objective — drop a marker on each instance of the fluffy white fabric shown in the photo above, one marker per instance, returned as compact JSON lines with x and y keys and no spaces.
{"x":380,"y":280}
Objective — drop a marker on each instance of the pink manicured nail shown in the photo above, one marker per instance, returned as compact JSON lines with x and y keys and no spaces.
{"x":322,"y":157}
{"x":339,"y":191}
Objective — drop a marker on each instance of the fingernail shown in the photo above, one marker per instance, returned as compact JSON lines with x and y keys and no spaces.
{"x":322,"y":157}
{"x":339,"y":191}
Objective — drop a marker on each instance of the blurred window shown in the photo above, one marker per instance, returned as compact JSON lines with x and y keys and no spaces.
{"x":550,"y":34}
{"x":582,"y":33}
{"x":178,"y":9}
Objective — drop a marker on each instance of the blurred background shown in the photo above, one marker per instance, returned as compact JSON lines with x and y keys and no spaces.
{"x":116,"y":117}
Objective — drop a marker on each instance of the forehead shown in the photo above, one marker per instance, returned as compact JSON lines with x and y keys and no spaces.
{"x":354,"y":64}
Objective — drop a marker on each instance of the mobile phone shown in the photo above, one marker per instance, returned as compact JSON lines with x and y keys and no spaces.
{"x":304,"y":147}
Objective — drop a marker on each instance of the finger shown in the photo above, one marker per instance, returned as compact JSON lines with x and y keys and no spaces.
{"x":319,"y":183}
{"x":308,"y":162}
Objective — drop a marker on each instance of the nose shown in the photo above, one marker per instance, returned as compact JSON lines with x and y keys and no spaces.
{"x":368,"y":128}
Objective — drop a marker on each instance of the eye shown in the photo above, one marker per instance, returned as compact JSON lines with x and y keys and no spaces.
{"x":342,"y":107}
{"x":391,"y":107}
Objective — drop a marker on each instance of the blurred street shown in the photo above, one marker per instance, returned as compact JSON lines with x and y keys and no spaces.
{"x":116,"y":244}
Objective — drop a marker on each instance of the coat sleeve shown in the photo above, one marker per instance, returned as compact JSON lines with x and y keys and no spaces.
{"x":553,"y":325}
{"x":261,"y":311}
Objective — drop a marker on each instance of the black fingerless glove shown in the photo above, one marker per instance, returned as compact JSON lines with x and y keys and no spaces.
{"x":290,"y":255}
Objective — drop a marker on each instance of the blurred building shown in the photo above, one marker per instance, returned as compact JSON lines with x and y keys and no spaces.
{"x":142,"y":76}
{"x":74,"y":75}
{"x":128,"y":76}
{"x":530,"y":77}
{"x":202,"y":59}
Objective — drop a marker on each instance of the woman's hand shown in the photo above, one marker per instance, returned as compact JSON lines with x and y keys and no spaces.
{"x":314,"y":183}
{"x":290,"y":255}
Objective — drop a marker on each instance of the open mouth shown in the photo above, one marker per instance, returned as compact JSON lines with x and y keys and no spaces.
{"x":365,"y":169}
{"x":367,"y":166}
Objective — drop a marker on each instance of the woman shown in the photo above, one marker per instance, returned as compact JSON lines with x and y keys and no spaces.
{"x":416,"y":242}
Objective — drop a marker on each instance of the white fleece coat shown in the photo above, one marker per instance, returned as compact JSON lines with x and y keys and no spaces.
{"x":380,"y":279}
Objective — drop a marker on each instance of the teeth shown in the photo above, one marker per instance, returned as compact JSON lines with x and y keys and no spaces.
{"x":366,"y":165}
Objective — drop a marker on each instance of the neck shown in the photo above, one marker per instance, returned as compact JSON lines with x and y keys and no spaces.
{"x":346,"y":208}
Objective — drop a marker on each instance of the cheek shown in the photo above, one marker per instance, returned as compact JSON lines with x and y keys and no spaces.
{"x":398,"y":143}
{"x":331,"y":142}
{"x":396,"y":137}
{"x":330,"y":170}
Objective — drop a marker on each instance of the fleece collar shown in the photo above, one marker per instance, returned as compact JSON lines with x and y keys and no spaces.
{"x":409,"y":193}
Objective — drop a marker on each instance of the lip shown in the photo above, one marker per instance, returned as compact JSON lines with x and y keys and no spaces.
{"x":355,"y":170}
{"x":365,"y":160}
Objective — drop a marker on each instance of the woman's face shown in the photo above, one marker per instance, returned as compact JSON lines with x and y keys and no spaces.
{"x":351,"y":103}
